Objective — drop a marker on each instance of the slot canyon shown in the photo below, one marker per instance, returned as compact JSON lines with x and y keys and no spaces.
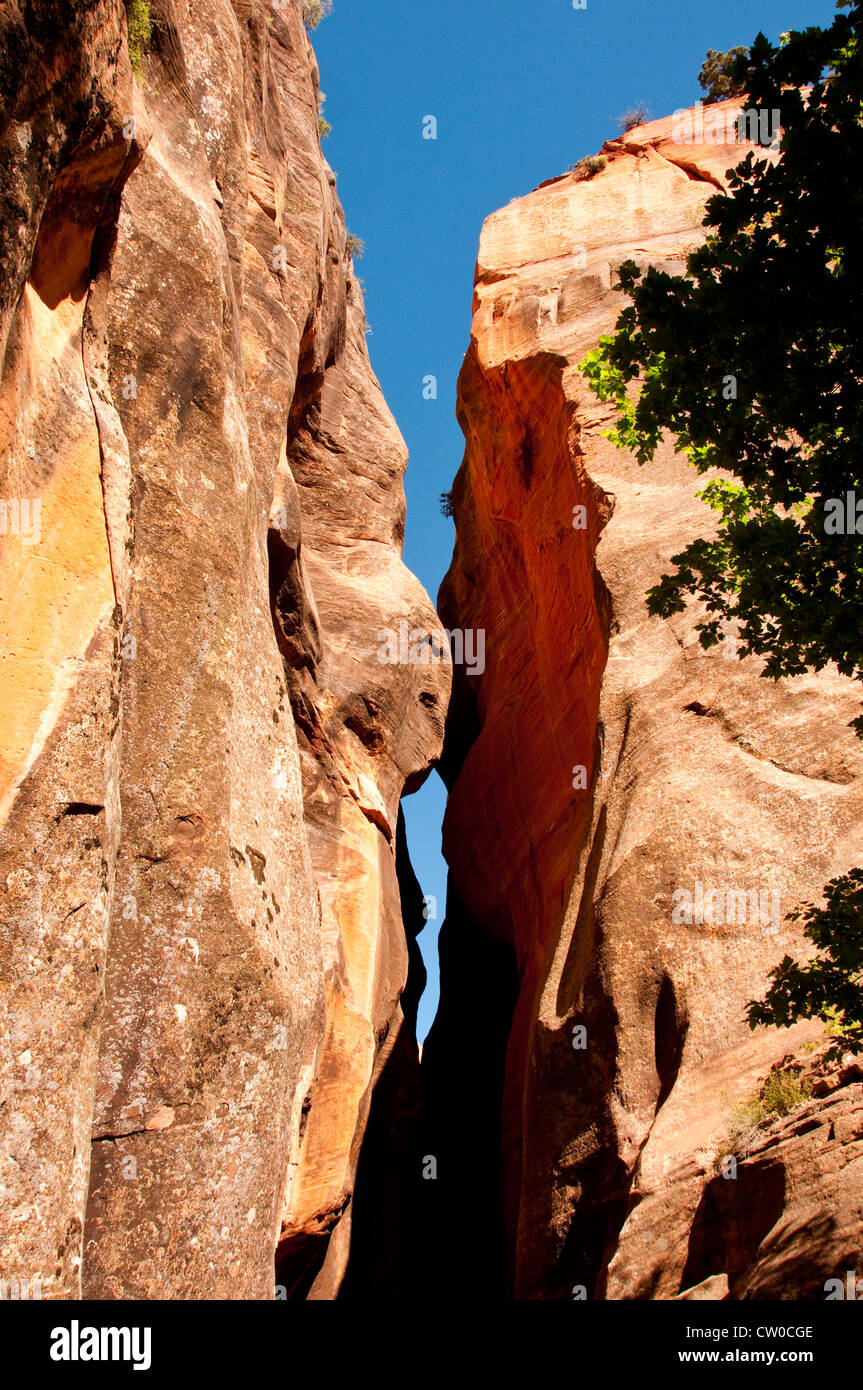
{"x":209,"y":973}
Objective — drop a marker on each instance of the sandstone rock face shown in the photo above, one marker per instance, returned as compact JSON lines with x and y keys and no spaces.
{"x":202,"y":755}
{"x":601,"y":763}
{"x":208,"y":980}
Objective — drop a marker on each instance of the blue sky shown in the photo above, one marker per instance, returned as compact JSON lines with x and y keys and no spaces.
{"x":520,"y":90}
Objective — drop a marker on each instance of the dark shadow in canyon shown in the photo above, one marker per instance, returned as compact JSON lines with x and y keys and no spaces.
{"x":670,"y":1026}
{"x":429,"y":1171}
{"x":387,"y":1257}
{"x":733,"y":1217}
{"x":463,"y":1078}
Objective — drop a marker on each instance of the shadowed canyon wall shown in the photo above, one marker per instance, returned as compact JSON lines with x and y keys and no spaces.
{"x":603,"y":761}
{"x":202,"y":756}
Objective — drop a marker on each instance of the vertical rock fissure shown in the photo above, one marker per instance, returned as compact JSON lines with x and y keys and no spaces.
{"x":387,"y":1256}
{"x":519,"y":761}
{"x":463,"y":1071}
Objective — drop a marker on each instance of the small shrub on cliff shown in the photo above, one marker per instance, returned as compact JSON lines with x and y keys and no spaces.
{"x":586,"y":168}
{"x":314,"y":11}
{"x":723,"y":75}
{"x":139,"y":25}
{"x":783,"y":1091}
{"x":636,"y":115}
{"x":355,"y":246}
{"x":446,"y":504}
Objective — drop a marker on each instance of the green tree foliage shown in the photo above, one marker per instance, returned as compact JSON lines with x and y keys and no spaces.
{"x":753,"y":360}
{"x":830,"y":986}
{"x":723,"y":75}
{"x":139,"y":25}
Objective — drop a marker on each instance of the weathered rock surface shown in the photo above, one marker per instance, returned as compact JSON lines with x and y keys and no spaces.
{"x":776,"y":1223}
{"x":695,"y":770}
{"x":202,"y":756}
{"x":208,"y":979}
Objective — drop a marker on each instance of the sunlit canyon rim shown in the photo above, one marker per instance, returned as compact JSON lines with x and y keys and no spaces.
{"x":210,"y":1079}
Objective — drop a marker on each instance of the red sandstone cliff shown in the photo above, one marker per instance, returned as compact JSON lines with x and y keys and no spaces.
{"x":694,"y":769}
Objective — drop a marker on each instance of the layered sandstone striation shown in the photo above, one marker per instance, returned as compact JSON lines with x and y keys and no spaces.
{"x":202,"y":756}
{"x":603,"y":761}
